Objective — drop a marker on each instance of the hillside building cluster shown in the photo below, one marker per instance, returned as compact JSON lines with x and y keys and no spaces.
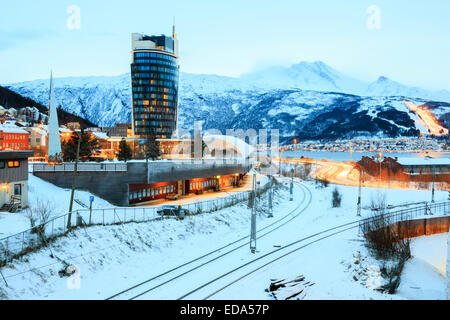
{"x":410,"y":144}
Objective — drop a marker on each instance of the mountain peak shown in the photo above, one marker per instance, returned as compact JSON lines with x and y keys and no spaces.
{"x":383,"y":79}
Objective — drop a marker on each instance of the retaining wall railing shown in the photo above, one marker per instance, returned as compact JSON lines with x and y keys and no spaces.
{"x":392,"y":217}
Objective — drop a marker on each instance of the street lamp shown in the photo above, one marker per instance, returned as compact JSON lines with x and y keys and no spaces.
{"x":295,"y":148}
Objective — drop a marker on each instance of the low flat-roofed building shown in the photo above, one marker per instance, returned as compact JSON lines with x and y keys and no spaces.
{"x":14,"y":179}
{"x":120,"y":130}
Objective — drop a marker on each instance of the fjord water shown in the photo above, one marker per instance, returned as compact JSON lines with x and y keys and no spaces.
{"x":356,"y":156}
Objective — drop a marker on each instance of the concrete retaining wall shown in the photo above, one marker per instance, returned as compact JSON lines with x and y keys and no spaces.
{"x":113,"y":186}
{"x":422,"y":227}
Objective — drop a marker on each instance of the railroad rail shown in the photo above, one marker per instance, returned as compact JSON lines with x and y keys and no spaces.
{"x":149,"y":285}
{"x":299,"y":244}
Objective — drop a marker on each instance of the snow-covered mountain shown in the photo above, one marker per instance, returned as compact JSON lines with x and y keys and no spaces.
{"x":309,"y":100}
{"x":315,"y":76}
{"x":387,"y":87}
{"x":318,"y":76}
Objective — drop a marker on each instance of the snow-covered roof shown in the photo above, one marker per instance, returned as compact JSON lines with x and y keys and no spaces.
{"x":11,"y":129}
{"x":225,"y":142}
{"x":100,"y":135}
{"x":38,"y":130}
{"x":424,"y":161}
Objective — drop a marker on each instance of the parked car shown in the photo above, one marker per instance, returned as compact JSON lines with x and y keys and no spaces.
{"x":173,"y":210}
{"x":170,"y":210}
{"x":172,"y":196}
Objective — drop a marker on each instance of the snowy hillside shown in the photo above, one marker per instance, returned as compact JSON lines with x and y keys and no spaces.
{"x":308,"y":100}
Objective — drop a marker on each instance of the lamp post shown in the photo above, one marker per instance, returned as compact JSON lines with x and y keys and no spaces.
{"x":295,"y":148}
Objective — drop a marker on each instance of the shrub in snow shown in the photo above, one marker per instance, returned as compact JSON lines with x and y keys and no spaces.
{"x":391,"y":244}
{"x":336,"y":198}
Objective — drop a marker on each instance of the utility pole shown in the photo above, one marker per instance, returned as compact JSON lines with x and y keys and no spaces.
{"x":292,"y":184}
{"x":432,"y":188}
{"x":253,"y":219}
{"x":74,"y":181}
{"x":358,"y":212}
{"x":279,"y":162}
{"x":381,"y":157}
{"x":270,"y":197}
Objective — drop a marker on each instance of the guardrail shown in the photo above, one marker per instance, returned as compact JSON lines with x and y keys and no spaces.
{"x":441,"y":208}
{"x":82,"y":167}
{"x":18,"y":244}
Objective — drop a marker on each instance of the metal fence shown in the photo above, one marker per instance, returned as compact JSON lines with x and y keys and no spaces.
{"x":441,"y":208}
{"x":82,"y":166}
{"x":23,"y":242}
{"x":39,"y":235}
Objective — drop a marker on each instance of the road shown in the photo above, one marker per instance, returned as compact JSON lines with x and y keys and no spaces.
{"x":428,"y":119}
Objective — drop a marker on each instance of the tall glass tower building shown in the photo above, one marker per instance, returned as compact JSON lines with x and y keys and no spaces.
{"x":154,"y":82}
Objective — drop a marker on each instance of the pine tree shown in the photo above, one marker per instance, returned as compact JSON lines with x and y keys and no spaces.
{"x":124,"y":151}
{"x":88,"y":146}
{"x":204,"y":146}
{"x":151,"y":147}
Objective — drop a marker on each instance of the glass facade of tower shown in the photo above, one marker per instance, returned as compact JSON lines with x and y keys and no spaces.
{"x":154,"y":78}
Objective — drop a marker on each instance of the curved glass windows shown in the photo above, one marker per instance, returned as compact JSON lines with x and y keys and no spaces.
{"x":155,"y":93}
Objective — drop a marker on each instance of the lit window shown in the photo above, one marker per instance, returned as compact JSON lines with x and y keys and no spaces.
{"x":13,"y":164}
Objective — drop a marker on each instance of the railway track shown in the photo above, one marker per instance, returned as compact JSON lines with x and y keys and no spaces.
{"x":220,"y":283}
{"x":188,"y":268}
{"x":225,"y":280}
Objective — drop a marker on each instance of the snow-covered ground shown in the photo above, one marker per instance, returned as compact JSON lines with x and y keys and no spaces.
{"x":424,"y":275}
{"x":42,"y":191}
{"x":113,"y":258}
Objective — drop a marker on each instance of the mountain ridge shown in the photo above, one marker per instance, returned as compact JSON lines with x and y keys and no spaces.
{"x":293,"y":99}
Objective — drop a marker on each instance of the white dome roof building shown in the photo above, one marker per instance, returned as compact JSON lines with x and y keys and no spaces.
{"x":222,"y":146}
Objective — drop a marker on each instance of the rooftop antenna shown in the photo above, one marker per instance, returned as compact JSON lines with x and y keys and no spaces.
{"x":174,"y":33}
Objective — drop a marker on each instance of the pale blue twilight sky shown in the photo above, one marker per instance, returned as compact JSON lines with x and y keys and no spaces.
{"x":230,"y":37}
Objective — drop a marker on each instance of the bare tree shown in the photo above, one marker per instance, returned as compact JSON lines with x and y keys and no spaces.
{"x":307,"y":168}
{"x":38,"y":215}
{"x":378,"y":202}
